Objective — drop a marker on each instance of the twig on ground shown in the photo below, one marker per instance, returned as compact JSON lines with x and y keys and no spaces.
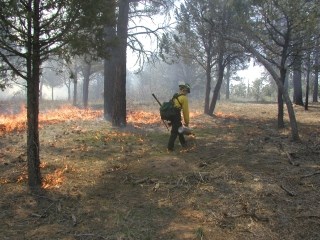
{"x":43,"y":214}
{"x":310,"y":175}
{"x":252,"y":215}
{"x":290,"y":193}
{"x":89,"y":235}
{"x":143,"y":180}
{"x":291,"y":161}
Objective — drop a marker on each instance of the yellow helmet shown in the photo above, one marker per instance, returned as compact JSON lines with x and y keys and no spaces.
{"x":185,"y":86}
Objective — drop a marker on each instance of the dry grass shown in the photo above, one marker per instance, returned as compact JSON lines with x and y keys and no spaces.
{"x":240,"y":178}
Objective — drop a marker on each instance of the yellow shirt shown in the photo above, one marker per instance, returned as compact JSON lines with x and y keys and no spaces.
{"x":183,"y":100}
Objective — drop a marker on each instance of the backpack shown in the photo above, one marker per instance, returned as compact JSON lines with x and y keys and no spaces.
{"x":167,"y":109}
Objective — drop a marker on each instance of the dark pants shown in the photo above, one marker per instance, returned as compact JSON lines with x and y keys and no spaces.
{"x":176,"y":123}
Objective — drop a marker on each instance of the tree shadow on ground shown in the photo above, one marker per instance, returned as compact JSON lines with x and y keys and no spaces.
{"x":235,"y":181}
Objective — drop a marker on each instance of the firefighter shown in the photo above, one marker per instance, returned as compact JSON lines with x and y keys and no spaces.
{"x":181,"y":102}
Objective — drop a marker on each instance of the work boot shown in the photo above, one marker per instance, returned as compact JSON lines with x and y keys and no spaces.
{"x":171,"y":141}
{"x":182,"y":141}
{"x":184,"y":145}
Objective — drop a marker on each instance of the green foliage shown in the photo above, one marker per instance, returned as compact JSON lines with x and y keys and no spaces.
{"x":239,"y":90}
{"x":89,"y":35}
{"x":73,"y":26}
{"x":282,"y":25}
{"x":256,"y":89}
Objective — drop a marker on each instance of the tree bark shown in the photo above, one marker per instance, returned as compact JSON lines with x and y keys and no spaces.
{"x":40,"y":92}
{"x":208,"y":83}
{"x":316,"y":77}
{"x":219,"y":81}
{"x":280,"y":109}
{"x":228,"y":81}
{"x":33,"y":66}
{"x":109,"y":76}
{"x":86,"y":80}
{"x":292,"y":117}
{"x":119,"y":108}
{"x":69,"y":90}
{"x":280,"y":81}
{"x":308,"y":82}
{"x":297,"y":86}
{"x":75,"y":86}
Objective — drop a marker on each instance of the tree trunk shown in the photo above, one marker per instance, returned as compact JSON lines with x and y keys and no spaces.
{"x":85,"y":87}
{"x":280,"y":109}
{"x":108,"y":93}
{"x":75,"y":86}
{"x":280,"y":81}
{"x":228,"y":81}
{"x":285,"y":96}
{"x":219,"y":81}
{"x":109,"y":76}
{"x":308,"y":82}
{"x":69,"y":90}
{"x":40,"y":92}
{"x":119,"y":107}
{"x":33,"y":68}
{"x":208,"y":85}
{"x":297,"y":86}
{"x":316,"y":77}
{"x":281,"y":90}
{"x":292,"y":117}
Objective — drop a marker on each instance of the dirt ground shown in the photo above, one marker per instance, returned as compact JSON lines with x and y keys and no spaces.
{"x":240,"y":178}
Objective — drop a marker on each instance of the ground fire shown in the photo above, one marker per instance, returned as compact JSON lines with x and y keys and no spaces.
{"x":17,"y":122}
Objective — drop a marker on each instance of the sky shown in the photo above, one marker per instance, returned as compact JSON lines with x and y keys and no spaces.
{"x":252,"y":73}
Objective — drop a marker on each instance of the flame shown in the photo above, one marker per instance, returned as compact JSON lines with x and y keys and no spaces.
{"x":18,"y":122}
{"x":43,"y":164}
{"x":23,"y":177}
{"x":142,"y":117}
{"x":225,"y":115}
{"x":66,"y":113}
{"x":13,"y":122}
{"x":50,"y":180}
{"x":55,"y":179}
{"x":4,"y":181}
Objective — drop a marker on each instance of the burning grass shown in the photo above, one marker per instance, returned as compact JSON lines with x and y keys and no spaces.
{"x":13,"y":122}
{"x":17,"y":122}
{"x":55,"y":179}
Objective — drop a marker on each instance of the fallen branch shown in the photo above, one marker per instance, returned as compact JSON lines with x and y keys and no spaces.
{"x":146,"y":180}
{"x":89,"y":235}
{"x":252,"y":215}
{"x":310,"y":175}
{"x":43,"y":215}
{"x":308,"y":216}
{"x":143,"y":180}
{"x":290,"y":193}
{"x":291,"y":161}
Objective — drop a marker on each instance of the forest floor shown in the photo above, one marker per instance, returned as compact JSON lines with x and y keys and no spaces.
{"x":240,"y":178}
